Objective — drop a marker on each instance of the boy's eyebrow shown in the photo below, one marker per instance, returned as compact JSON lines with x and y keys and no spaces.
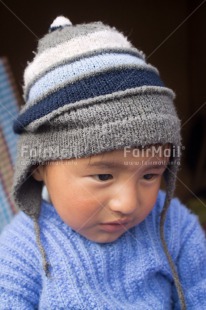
{"x":108,"y":164}
{"x":105,"y":164}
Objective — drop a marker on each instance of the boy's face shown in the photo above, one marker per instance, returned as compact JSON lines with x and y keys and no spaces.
{"x":99,"y":201}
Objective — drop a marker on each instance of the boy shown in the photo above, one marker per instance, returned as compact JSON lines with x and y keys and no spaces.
{"x":99,"y":130}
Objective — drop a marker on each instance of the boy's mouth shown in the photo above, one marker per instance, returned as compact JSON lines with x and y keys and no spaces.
{"x":115,"y":225}
{"x":119,"y":222}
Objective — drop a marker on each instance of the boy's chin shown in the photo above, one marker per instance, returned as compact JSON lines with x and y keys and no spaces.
{"x":104,"y":238}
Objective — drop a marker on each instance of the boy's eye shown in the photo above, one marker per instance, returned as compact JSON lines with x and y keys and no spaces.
{"x":103,"y":177}
{"x":149,"y":176}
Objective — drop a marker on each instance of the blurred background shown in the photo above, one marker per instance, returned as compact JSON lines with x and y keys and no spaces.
{"x":171,"y":33}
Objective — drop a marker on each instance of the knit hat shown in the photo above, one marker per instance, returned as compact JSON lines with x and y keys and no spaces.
{"x":87,"y":91}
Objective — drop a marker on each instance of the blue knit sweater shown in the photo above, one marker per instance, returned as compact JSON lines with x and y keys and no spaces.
{"x":129,"y":273}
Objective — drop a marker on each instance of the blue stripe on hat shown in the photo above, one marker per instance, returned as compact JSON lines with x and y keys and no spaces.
{"x":90,"y":87}
{"x":67,"y":73}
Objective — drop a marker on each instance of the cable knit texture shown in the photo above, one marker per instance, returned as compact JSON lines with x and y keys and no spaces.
{"x":129,"y":273}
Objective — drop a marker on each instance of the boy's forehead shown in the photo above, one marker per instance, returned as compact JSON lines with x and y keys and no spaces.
{"x":130,"y":153}
{"x":121,"y":157}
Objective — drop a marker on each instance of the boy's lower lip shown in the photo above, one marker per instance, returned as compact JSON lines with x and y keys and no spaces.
{"x":113,"y":227}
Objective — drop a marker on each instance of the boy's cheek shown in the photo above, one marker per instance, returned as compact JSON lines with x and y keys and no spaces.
{"x":77,"y":210}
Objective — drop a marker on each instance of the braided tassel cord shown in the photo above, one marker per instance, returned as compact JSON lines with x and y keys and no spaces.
{"x":169,"y":258}
{"x":41,"y":248}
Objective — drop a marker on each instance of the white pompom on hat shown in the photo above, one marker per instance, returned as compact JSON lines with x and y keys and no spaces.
{"x":60,"y":22}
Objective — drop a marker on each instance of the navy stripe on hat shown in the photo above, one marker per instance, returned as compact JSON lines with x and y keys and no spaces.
{"x":90,"y":87}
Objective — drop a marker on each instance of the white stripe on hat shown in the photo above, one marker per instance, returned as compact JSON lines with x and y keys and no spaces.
{"x":75,"y":47}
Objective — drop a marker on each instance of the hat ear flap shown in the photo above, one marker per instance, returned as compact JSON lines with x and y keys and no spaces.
{"x":28,"y":196}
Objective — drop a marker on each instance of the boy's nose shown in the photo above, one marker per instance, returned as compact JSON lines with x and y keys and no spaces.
{"x":125,"y":200}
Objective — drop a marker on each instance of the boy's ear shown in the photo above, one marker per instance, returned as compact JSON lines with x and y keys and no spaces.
{"x":37,"y":173}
